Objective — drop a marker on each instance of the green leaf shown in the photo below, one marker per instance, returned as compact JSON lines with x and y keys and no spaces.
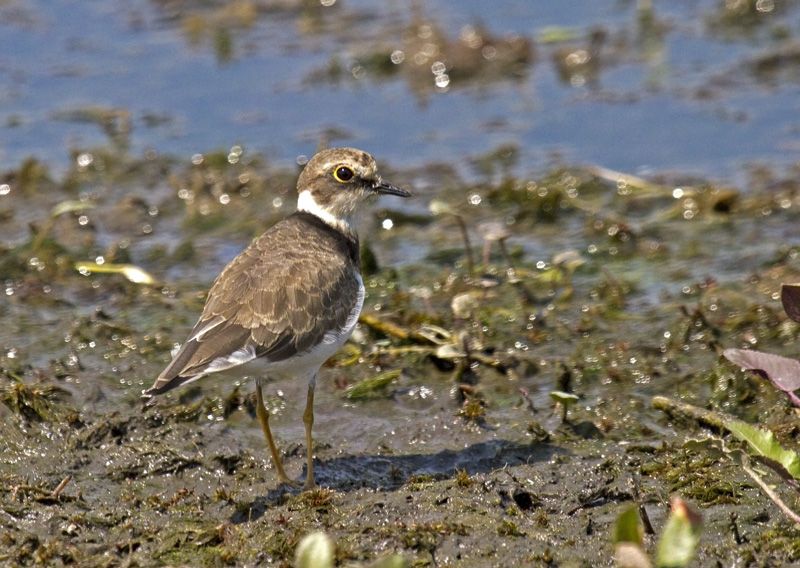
{"x":760,"y":440}
{"x":314,"y":551}
{"x":565,"y":398}
{"x":764,"y":443}
{"x":680,"y":536}
{"x":370,"y":386}
{"x":628,"y":527}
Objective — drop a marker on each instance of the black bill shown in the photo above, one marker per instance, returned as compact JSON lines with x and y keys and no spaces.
{"x":389,"y":189}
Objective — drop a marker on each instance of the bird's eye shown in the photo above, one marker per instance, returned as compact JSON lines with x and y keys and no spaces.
{"x":343,"y":174}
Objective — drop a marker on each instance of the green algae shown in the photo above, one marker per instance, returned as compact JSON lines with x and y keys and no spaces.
{"x":35,"y":402}
{"x":371,"y":386}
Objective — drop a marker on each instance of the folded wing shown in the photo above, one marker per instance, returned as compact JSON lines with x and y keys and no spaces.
{"x":270,"y":301}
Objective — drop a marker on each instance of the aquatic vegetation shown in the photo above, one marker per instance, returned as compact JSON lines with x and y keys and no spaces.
{"x":677,"y":543}
{"x":314,"y":551}
{"x":759,"y":441}
{"x":129,"y":271}
{"x":594,"y":284}
{"x":520,"y":281}
{"x":430,"y":61}
{"x":783,"y":372}
{"x":473,"y":410}
{"x":33,"y":402}
{"x":743,"y":18}
{"x":564,"y":400}
{"x":367,"y":388}
{"x":116,"y":123}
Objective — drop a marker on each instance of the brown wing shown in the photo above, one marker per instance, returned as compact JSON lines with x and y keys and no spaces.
{"x":271,"y":301}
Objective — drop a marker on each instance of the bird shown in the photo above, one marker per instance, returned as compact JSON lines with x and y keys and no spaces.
{"x":292,"y":297}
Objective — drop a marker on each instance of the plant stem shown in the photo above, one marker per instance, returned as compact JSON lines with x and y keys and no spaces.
{"x":467,"y":245}
{"x":771,"y":494}
{"x":674,"y":407}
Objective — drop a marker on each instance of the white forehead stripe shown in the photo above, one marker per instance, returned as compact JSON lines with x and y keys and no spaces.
{"x":364,"y":171}
{"x":307,"y":203}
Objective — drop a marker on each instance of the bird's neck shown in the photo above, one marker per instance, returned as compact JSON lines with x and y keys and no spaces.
{"x":307,"y":204}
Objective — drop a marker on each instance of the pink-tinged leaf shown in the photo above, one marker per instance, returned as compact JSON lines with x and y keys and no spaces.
{"x":783,"y":372}
{"x":790,"y":298}
{"x":680,"y":536}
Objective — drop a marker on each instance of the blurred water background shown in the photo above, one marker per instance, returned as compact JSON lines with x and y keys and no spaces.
{"x":702,"y":87}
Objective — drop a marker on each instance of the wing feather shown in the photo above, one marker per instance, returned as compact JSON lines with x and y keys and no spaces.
{"x":278,"y":303}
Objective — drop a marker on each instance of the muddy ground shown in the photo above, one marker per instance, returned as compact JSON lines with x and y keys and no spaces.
{"x":613,"y":289}
{"x":437,"y":435}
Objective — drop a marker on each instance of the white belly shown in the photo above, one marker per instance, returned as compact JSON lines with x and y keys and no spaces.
{"x":309,"y":362}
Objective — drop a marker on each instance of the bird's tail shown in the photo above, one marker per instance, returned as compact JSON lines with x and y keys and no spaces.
{"x":165,"y":383}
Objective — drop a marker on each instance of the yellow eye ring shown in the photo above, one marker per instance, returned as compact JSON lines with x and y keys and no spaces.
{"x":343,"y":174}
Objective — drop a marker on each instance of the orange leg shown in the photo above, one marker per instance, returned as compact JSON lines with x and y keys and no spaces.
{"x":308,"y":420}
{"x":263,"y":418}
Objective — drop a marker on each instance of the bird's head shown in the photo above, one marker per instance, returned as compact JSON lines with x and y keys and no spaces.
{"x":335,"y":181}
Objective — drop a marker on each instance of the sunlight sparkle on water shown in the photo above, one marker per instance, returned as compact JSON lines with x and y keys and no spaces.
{"x":84,"y":160}
{"x":765,"y":6}
{"x":235,"y":154}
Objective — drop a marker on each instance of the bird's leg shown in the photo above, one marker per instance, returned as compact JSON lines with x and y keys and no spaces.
{"x":506,"y":255}
{"x":263,"y":418}
{"x":487,"y":252}
{"x":308,"y":420}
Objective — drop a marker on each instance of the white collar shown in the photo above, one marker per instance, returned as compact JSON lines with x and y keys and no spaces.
{"x":307,"y":203}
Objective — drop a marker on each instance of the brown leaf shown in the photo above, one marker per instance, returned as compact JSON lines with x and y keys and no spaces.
{"x":790,"y":298}
{"x":681,"y":508}
{"x":783,"y":372}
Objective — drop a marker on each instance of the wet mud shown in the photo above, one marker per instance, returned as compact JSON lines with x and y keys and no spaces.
{"x":495,"y":403}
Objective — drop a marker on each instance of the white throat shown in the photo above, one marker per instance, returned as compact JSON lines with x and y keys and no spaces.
{"x":307,"y":203}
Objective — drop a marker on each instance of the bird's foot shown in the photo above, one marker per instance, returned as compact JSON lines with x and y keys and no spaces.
{"x":310,"y":485}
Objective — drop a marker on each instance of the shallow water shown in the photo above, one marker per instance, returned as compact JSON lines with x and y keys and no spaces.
{"x":667,"y":90}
